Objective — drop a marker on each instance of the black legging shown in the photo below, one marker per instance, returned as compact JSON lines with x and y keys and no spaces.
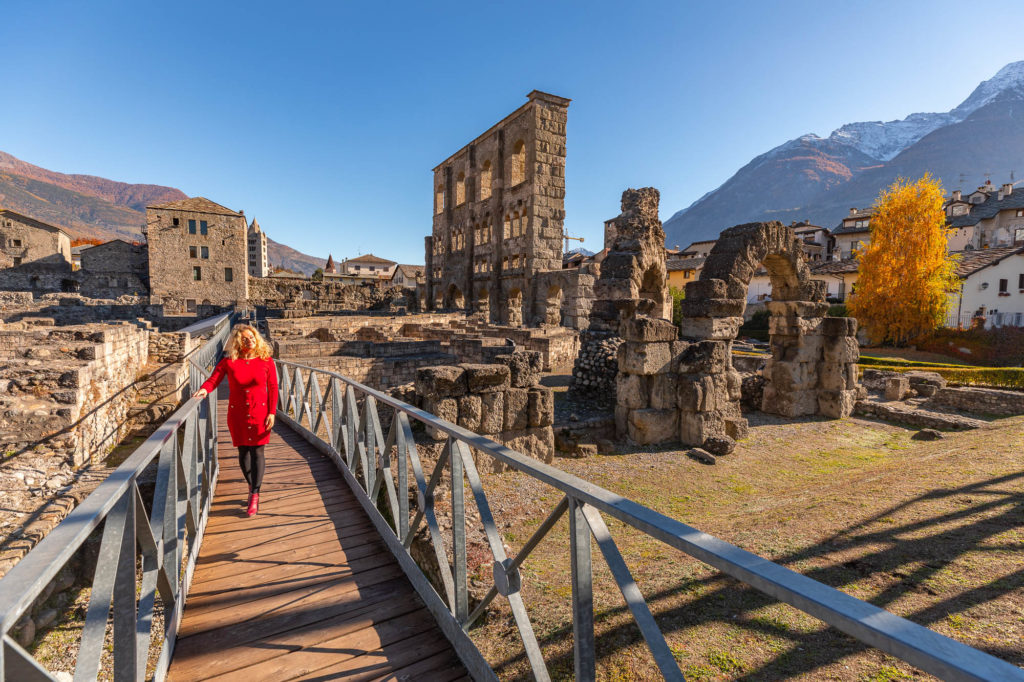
{"x":250,"y":458}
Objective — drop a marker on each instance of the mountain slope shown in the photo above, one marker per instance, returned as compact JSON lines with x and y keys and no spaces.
{"x":819,"y":179}
{"x":98,"y":208}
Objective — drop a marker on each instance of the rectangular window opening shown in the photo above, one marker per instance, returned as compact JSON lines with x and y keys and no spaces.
{"x":197,"y":273}
{"x":191,"y":227}
{"x":202,"y":227}
{"x":229,"y":275}
{"x":1004,"y":285}
{"x":205,"y":252}
{"x":192,"y":252}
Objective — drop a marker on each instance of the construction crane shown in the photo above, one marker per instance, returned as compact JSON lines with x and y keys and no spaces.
{"x":566,"y":238}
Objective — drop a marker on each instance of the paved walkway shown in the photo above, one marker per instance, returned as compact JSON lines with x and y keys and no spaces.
{"x":304,"y":590}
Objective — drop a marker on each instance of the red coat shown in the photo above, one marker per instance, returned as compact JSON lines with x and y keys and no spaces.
{"x":253,"y":395}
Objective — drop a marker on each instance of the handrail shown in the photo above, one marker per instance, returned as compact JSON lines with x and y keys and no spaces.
{"x":356,"y":443}
{"x":185,"y":447}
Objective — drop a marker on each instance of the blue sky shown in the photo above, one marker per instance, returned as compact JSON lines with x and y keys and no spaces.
{"x":324,"y":119}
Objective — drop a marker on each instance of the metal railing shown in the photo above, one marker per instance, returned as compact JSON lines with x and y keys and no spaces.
{"x":376,"y":466}
{"x":167,"y":539}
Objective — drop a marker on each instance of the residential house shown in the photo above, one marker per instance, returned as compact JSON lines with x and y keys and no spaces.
{"x":991,"y":287}
{"x":368,"y":267}
{"x":683,"y":270}
{"x":851,"y":234}
{"x":407,"y":275}
{"x":840,"y":275}
{"x":988,"y":218}
{"x":23,"y":240}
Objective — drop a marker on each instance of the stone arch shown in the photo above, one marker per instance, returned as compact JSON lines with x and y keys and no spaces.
{"x":460,"y":189}
{"x":485,"y":180}
{"x":438,"y":299}
{"x":517,"y":164}
{"x":514,"y":312}
{"x":454,"y":298}
{"x":653,"y":286}
{"x":812,"y":369}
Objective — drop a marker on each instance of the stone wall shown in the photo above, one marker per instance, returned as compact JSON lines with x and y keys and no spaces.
{"x":115,"y":268}
{"x":299,"y":296}
{"x":343,"y":326}
{"x":987,"y":401}
{"x":564,"y":298}
{"x":502,"y":401}
{"x":69,"y":389}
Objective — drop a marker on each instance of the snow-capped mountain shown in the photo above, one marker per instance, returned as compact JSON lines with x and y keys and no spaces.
{"x":818,"y":178}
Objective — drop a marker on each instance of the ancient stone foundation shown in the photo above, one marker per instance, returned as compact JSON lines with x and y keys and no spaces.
{"x":502,"y":401}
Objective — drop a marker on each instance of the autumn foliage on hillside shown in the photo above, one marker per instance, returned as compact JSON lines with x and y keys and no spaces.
{"x":906,"y":273}
{"x":83,"y":241}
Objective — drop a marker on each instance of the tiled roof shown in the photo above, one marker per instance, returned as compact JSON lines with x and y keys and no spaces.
{"x":410,"y":271}
{"x":836,"y":267}
{"x":989,"y":208}
{"x":850,"y":230}
{"x":35,"y":221}
{"x":679,"y":264}
{"x":370,"y":258}
{"x":197,"y":205}
{"x":978,"y":259}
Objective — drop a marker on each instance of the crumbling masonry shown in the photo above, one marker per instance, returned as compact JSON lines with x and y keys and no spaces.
{"x":680,"y":384}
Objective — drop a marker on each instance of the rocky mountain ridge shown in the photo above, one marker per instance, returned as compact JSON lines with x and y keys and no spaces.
{"x":818,"y":178}
{"x":88,"y":206}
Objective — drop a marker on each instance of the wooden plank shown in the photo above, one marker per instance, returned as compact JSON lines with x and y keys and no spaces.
{"x":306,"y":586}
{"x":225,"y":649}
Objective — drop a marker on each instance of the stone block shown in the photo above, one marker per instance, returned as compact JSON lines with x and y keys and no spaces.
{"x":839,"y":326}
{"x":616,"y":289}
{"x":523,"y":367}
{"x":538,"y":443}
{"x":541,"y":406}
{"x":644,"y":358}
{"x":443,"y":408}
{"x":664,"y":391}
{"x":836,"y":404}
{"x":704,"y":357}
{"x":492,"y":413}
{"x":792,"y":376}
{"x":734,"y":385}
{"x":720,"y":328}
{"x":619,"y":265}
{"x":720,"y":445}
{"x":702,"y":456}
{"x":648,"y":329}
{"x":930,"y":382}
{"x":840,"y":349}
{"x":441,"y":381}
{"x":787,"y":326}
{"x":794,"y":309}
{"x":470,"y":411}
{"x":697,"y":427}
{"x":650,"y":426}
{"x":897,"y":388}
{"x":486,"y":378}
{"x":517,"y":416}
{"x":690,"y":394}
{"x":705,"y":289}
{"x":737,"y":429}
{"x":677,"y":348}
{"x":832,"y":377}
{"x":713,"y":307}
{"x":789,"y":403}
{"x":632,"y":391}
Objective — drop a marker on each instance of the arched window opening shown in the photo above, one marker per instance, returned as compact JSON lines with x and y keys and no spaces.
{"x":439,"y":200}
{"x":460,"y":189}
{"x":553,"y":306}
{"x":485,"y":180}
{"x":507,"y":231}
{"x":517,"y":164}
{"x":514,"y":314}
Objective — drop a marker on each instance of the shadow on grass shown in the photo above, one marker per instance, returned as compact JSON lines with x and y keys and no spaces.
{"x":990,"y":508}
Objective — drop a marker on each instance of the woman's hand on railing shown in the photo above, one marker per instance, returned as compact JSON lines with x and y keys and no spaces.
{"x":201,"y":393}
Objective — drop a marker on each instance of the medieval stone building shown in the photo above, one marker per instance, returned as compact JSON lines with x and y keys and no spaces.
{"x":34,"y":256}
{"x":115,"y":268}
{"x":498,"y":216}
{"x":197,"y":255}
{"x":259,"y":266}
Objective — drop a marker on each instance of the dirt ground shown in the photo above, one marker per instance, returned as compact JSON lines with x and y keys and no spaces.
{"x":932,"y":531}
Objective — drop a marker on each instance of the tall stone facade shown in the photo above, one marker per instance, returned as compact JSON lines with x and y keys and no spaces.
{"x":197,"y":255}
{"x":259,"y":266}
{"x":498,"y":215}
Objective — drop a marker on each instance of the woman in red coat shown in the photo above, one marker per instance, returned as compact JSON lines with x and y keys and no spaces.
{"x":252,"y":401}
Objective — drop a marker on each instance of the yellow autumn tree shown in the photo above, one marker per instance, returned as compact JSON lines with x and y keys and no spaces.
{"x":906,"y":273}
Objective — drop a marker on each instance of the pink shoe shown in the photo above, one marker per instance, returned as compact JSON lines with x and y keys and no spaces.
{"x":254,"y":504}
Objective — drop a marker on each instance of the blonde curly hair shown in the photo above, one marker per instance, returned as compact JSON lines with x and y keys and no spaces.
{"x":234,"y":344}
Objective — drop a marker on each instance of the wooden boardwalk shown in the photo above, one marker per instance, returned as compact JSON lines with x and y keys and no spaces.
{"x":304,"y":590}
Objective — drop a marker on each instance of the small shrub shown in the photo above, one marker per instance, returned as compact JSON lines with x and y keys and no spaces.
{"x":838,"y":310}
{"x":677,"y":295}
{"x":985,"y":377}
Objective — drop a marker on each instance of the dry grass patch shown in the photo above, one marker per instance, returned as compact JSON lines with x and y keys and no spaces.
{"x":931,"y":531}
